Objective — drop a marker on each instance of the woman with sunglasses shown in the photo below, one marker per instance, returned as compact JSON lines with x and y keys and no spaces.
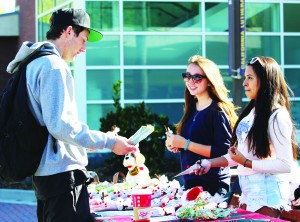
{"x":264,"y":149}
{"x":205,"y":128}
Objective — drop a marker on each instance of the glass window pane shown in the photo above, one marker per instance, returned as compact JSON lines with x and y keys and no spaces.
{"x":105,"y":52}
{"x":162,"y":16}
{"x":43,"y":27}
{"x":295,"y":107}
{"x":100,"y":84}
{"x":173,"y":111}
{"x":292,"y":77}
{"x":95,"y":112}
{"x":45,"y":5}
{"x":154,"y":84}
{"x":262,"y":17}
{"x":104,"y":15}
{"x":217,"y":49}
{"x":291,"y":49}
{"x":160,"y":50}
{"x":291,"y":24}
{"x":227,"y":81}
{"x":216,"y":17}
{"x":263,"y":45}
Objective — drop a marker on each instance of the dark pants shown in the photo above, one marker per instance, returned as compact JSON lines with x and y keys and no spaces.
{"x":63,"y":197}
{"x":71,"y":206}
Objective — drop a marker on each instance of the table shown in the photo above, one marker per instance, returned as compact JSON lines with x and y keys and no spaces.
{"x":126,"y":216}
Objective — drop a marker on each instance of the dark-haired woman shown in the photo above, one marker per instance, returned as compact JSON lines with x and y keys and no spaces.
{"x":264,"y":149}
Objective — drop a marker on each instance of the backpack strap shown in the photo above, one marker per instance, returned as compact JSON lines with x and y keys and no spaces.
{"x":36,"y":54}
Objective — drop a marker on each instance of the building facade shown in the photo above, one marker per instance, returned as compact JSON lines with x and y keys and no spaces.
{"x":146,"y":45}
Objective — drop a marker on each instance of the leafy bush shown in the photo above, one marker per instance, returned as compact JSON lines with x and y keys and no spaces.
{"x":129,"y":120}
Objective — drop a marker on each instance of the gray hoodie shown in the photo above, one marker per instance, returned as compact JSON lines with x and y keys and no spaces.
{"x":50,"y":87}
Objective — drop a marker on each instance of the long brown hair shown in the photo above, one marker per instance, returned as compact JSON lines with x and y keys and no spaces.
{"x":273,"y":90}
{"x":217,"y":91}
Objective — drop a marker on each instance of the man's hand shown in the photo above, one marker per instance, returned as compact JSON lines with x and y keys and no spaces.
{"x":122,"y":146}
{"x":205,"y":166}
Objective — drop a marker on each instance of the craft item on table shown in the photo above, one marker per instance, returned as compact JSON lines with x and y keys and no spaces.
{"x":168,"y":197}
{"x":157,"y":212}
{"x":107,"y":204}
{"x":200,"y":205}
{"x":191,"y":169}
{"x":170,"y":211}
{"x":165,"y":195}
{"x":141,"y":134}
{"x":138,"y":173}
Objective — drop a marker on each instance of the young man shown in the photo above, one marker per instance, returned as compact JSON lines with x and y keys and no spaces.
{"x":61,"y":178}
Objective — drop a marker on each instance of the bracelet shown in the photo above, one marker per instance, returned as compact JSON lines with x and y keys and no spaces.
{"x":245,"y":162}
{"x":187,"y":144}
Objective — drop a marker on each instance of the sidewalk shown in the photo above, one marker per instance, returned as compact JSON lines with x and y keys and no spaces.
{"x":17,"y":206}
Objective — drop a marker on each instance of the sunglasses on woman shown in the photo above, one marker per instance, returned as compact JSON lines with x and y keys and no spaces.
{"x":254,"y":60}
{"x":197,"y":78}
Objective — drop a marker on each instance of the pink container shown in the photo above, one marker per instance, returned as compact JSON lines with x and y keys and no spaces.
{"x":141,"y":200}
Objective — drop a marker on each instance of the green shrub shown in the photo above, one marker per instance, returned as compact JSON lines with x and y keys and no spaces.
{"x":129,"y":120}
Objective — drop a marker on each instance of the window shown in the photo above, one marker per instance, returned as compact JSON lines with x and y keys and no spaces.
{"x":263,"y":45}
{"x":291,"y":24}
{"x":262,"y":17}
{"x":160,"y":49}
{"x":99,"y":83}
{"x":104,"y":15}
{"x":105,"y":52}
{"x":292,"y":49}
{"x":162,"y":16}
{"x":154,"y":84}
{"x":292,"y":77}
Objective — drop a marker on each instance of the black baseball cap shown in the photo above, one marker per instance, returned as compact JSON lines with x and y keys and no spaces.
{"x":70,"y":16}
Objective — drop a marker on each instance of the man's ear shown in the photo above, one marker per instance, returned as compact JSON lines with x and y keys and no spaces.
{"x":68,"y":30}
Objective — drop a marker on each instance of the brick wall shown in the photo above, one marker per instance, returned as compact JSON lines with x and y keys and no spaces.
{"x":10,"y":45}
{"x":27,"y":20}
{"x":8,"y":49}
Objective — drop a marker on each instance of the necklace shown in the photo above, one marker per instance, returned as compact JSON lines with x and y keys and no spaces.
{"x":197,"y":112}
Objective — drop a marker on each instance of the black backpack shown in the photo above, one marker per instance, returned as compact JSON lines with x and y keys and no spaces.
{"x":22,"y":138}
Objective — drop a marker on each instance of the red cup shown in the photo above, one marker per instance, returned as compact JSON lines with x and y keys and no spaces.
{"x":141,"y":200}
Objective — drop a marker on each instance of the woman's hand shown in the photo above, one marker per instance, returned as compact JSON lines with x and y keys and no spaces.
{"x":236,"y":155}
{"x":170,"y":147}
{"x":296,"y":203}
{"x":205,"y":166}
{"x":174,"y":142}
